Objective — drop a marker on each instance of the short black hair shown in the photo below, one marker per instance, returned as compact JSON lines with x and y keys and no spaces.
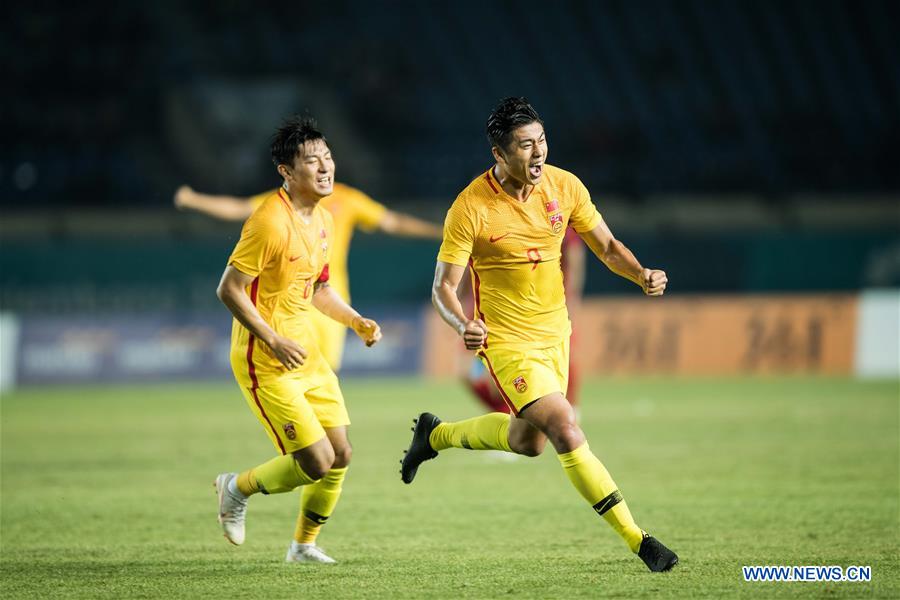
{"x":510,"y":114}
{"x":290,"y":137}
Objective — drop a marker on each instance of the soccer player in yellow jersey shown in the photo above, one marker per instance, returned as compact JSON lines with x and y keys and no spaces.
{"x":276,"y":279}
{"x":350,"y":208}
{"x":508,"y":225}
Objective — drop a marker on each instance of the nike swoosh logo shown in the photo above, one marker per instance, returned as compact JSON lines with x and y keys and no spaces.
{"x":607,"y":503}
{"x":293,"y":258}
{"x":498,"y":238}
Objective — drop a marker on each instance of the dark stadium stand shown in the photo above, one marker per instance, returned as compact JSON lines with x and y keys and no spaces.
{"x":639,"y":96}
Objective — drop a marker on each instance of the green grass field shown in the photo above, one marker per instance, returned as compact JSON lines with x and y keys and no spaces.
{"x":106,"y":493}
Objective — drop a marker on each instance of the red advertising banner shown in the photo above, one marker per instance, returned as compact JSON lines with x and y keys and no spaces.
{"x":697,"y":335}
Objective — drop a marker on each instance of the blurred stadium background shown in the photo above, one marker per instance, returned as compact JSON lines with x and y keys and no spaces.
{"x":750,"y":149}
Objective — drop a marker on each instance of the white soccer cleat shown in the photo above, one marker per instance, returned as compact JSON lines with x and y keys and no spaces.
{"x":232,"y":510}
{"x":308,"y":553}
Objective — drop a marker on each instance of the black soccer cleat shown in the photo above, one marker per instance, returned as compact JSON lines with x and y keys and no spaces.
{"x":657,"y":557}
{"x":420,"y":448}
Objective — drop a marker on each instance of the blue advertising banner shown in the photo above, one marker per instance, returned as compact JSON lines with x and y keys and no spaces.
{"x":173,"y":346}
{"x":92,"y":349}
{"x":400,"y":350}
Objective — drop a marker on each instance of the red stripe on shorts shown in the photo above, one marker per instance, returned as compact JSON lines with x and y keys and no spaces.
{"x":254,"y":288}
{"x":506,"y":399}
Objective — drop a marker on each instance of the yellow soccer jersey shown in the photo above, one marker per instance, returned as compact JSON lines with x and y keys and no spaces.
{"x":514,"y":251}
{"x":350,"y":208}
{"x":257,"y":200}
{"x":286,"y":257}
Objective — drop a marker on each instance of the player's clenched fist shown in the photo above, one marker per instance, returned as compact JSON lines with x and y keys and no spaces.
{"x":653,"y":282}
{"x":288,"y":352}
{"x":367,"y":330}
{"x":474,"y":334}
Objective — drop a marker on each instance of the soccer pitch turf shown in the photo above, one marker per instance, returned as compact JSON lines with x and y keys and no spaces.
{"x":106,"y":493}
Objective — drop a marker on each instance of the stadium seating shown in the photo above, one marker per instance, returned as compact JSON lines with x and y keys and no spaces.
{"x":641,"y":97}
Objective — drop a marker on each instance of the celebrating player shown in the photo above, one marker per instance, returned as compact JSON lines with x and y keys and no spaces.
{"x":275,"y":278}
{"x":350,"y":208}
{"x":507,"y":225}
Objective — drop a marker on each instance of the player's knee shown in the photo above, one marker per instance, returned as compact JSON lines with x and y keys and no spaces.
{"x":319,"y":467}
{"x":530,"y":447}
{"x":566,"y":437}
{"x":342,"y":456}
{"x":317,"y":464}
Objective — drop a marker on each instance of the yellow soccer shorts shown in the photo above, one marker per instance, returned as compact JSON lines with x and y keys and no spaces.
{"x":330,"y":336}
{"x":524,"y":375}
{"x":296,"y":407}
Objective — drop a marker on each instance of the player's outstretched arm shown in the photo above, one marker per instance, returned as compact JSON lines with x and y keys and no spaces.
{"x":226,"y":208}
{"x":443,"y":296}
{"x":399,"y":224}
{"x":232,"y":291}
{"x":619,"y":259}
{"x":327,"y":301}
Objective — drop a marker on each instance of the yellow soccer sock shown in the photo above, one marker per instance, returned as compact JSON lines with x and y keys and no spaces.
{"x":317,"y":504}
{"x":594,"y":483}
{"x":246,"y":483}
{"x":281,"y":474}
{"x":487,"y":432}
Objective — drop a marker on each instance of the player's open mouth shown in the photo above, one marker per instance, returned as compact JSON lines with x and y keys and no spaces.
{"x":323,"y":180}
{"x":536,"y":170}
